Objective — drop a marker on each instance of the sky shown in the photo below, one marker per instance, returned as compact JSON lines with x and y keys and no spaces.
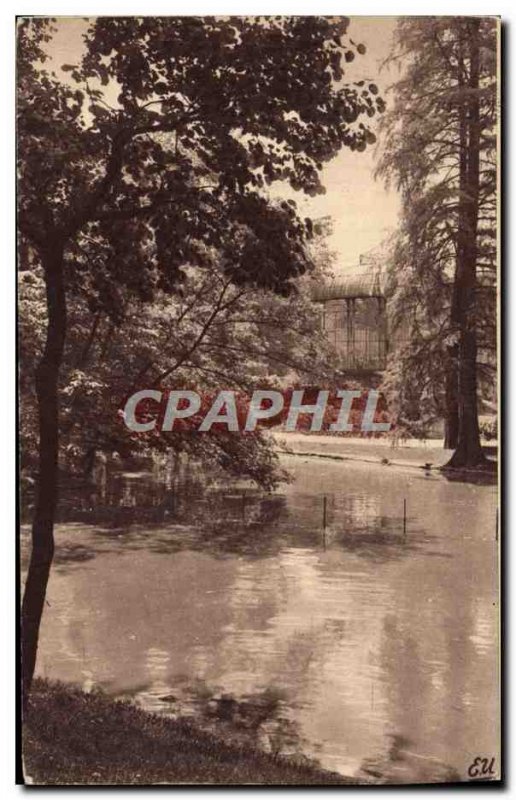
{"x":363,"y":212}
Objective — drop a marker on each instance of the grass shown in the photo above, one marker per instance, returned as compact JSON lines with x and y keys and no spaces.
{"x":73,"y":738}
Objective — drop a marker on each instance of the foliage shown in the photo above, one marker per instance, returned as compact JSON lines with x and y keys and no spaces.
{"x":208,"y":112}
{"x":489,"y":428}
{"x":207,"y":338}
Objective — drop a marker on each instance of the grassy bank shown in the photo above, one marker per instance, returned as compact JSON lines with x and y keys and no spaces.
{"x":75,"y":738}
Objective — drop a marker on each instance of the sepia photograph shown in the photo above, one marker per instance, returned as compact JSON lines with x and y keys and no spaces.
{"x":258,"y":388}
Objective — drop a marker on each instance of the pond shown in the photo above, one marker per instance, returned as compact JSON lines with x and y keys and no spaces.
{"x":370,"y":648}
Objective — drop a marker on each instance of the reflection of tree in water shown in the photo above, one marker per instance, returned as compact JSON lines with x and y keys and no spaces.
{"x":259,"y":719}
{"x":64,"y":554}
{"x":355,"y":524}
{"x":487,"y":477}
{"x":176,"y":504}
{"x":400,"y":764}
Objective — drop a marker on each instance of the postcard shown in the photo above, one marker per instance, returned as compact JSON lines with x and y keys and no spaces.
{"x":259,"y":350}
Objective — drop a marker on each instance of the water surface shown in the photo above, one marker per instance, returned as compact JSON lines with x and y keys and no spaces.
{"x":373,"y":650}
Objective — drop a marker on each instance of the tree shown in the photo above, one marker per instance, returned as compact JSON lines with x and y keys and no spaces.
{"x":119,"y":197}
{"x":441,"y":151}
{"x":209,"y":335}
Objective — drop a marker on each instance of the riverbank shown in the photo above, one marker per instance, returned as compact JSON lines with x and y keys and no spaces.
{"x":74,"y":738}
{"x":428,"y":454}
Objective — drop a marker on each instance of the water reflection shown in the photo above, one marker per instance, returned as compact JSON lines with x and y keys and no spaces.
{"x":400,"y":764}
{"x":369,"y":649}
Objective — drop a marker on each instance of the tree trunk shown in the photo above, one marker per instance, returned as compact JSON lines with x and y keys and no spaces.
{"x":451,"y":422}
{"x":43,"y":522}
{"x":469,"y":450}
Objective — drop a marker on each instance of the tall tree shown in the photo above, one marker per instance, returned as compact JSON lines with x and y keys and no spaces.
{"x":155,"y":155}
{"x":441,"y":151}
